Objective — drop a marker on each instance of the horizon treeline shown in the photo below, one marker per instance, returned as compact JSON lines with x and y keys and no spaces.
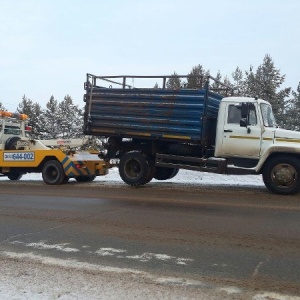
{"x":64,"y":119}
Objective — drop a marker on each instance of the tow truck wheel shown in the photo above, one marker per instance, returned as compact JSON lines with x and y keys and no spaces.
{"x":66,"y":180}
{"x":85,"y":178}
{"x":14,"y":175}
{"x":136,"y":168}
{"x":53,"y":173}
{"x":11,"y":143}
{"x":281,"y":175}
{"x":165,"y":173}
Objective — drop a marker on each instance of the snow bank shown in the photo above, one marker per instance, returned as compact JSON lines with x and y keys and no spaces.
{"x":184,"y":176}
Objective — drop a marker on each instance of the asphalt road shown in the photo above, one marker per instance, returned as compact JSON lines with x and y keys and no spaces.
{"x":242,"y":237}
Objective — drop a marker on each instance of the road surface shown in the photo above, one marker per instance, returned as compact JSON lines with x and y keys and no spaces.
{"x":209,"y":238}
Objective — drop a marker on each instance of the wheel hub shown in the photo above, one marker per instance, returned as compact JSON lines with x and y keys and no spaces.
{"x":284,"y":175}
{"x":133,"y":169}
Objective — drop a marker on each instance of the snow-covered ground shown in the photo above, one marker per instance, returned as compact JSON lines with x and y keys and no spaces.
{"x":184,"y":176}
{"x":29,"y":276}
{"x":33,"y":278}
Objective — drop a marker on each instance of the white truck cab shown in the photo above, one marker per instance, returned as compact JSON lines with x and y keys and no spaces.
{"x":14,"y":132}
{"x":248,"y":136}
{"x":12,"y":129}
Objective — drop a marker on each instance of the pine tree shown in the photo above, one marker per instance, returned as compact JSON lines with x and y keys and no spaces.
{"x":71,"y":119}
{"x":238,"y":82}
{"x":25,"y":107}
{"x":216,"y":84}
{"x":34,"y":113}
{"x":197,"y":77}
{"x":174,"y":82}
{"x":265,"y":83}
{"x":35,"y":121}
{"x":223,"y":87}
{"x":293,"y":112}
{"x":51,"y":120}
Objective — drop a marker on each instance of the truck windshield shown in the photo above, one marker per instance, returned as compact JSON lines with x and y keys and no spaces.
{"x":267,"y":114}
{"x":12,"y":130}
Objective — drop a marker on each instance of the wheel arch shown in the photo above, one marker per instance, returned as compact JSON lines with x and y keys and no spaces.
{"x":272,"y":153}
{"x":46,"y":159}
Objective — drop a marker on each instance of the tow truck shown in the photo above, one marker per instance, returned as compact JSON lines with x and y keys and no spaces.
{"x":20,"y":154}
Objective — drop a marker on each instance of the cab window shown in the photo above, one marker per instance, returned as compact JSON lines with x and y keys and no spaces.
{"x":12,"y":130}
{"x":267,"y":114}
{"x":252,"y":115}
{"x":235,"y":115}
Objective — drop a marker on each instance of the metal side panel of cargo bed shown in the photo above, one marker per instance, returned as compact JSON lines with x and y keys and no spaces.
{"x":182,"y":115}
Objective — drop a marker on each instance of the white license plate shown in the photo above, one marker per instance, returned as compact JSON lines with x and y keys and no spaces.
{"x":18,"y":156}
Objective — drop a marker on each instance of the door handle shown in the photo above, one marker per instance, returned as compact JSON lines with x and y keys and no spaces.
{"x":227,"y":130}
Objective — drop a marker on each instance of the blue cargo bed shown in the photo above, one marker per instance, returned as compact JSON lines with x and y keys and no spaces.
{"x":182,"y":115}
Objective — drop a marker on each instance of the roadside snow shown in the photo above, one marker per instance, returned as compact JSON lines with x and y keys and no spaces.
{"x":184,"y":176}
{"x":48,"y":278}
{"x":34,"y":277}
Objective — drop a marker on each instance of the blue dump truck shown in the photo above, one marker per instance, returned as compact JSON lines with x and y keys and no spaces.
{"x":154,"y":132}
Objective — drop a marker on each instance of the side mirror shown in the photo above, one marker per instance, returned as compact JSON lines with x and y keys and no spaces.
{"x":243,"y":122}
{"x":244,"y":110}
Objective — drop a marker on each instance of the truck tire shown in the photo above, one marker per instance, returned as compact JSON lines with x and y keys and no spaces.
{"x":152,"y":168}
{"x":281,"y":175}
{"x":165,"y":173}
{"x":11,"y":143}
{"x":53,"y":173}
{"x":66,"y":180}
{"x":136,"y":168}
{"x":85,"y":178}
{"x":14,"y":175}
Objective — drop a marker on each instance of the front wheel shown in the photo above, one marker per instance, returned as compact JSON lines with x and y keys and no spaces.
{"x":281,"y":175}
{"x":53,"y":173}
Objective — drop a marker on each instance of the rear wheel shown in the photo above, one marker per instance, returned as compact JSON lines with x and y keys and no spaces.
{"x":165,"y":173}
{"x":53,"y":173}
{"x":152,"y":168}
{"x":136,"y":168}
{"x":281,"y":175}
{"x":14,"y":175}
{"x":85,"y":178}
{"x":66,"y":180}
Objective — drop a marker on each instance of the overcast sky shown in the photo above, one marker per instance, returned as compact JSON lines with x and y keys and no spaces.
{"x":47,"y":47}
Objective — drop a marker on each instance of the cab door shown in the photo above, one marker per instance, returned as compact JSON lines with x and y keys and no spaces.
{"x":238,"y":141}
